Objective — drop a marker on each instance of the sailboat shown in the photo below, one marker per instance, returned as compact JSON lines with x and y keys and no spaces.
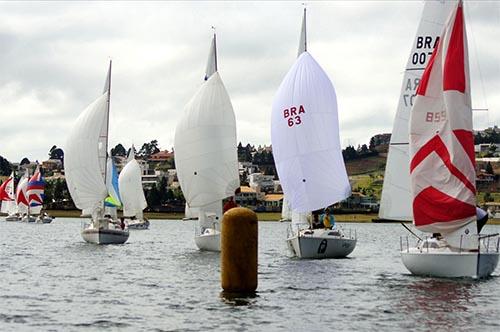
{"x":395,"y":202}
{"x":85,"y":163}
{"x":35,"y":192}
{"x":8,"y":199}
{"x":132,"y":194}
{"x":206,"y":154}
{"x":23,"y":206}
{"x":442,"y":166}
{"x":308,"y":155}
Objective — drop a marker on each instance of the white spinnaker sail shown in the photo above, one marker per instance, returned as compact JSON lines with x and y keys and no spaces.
{"x":396,"y":197}
{"x":131,"y":192}
{"x":81,"y":159}
{"x":305,"y":138}
{"x":205,"y":146}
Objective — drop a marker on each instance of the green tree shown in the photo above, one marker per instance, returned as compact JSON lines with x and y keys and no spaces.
{"x":56,"y":153}
{"x":119,"y":150}
{"x":5,"y":166}
{"x":148,"y":149}
{"x":489,"y":168}
{"x":25,"y":161}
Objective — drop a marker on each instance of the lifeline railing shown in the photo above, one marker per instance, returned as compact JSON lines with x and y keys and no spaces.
{"x":486,"y":243}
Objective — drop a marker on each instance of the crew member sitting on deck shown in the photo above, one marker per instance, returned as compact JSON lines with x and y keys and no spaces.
{"x":328,"y":219}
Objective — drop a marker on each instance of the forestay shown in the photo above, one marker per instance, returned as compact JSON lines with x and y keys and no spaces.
{"x":205,"y":146}
{"x":396,"y":197}
{"x":441,"y":138}
{"x":81,"y":162}
{"x":131,"y":192}
{"x":305,"y":138}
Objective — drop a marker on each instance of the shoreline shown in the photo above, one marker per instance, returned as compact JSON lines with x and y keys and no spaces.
{"x":262,"y":216}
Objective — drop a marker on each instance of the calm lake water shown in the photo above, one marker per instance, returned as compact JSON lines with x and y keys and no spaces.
{"x":51,"y":280}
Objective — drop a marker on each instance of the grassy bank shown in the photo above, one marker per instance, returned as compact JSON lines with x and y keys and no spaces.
{"x":263,"y":216}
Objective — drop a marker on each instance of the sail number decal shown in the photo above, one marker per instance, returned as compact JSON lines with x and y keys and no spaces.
{"x":425,"y":46}
{"x":292,"y":115}
{"x":435,"y":116}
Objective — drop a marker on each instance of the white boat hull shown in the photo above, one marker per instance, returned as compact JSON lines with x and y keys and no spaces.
{"x":138,"y":224}
{"x":28,"y":219}
{"x":209,"y":240}
{"x":450,"y":264}
{"x":319,"y":244}
{"x":13,"y":218}
{"x":44,"y":220}
{"x":105,"y":236}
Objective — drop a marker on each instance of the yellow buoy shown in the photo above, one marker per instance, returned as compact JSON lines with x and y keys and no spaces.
{"x":238,"y":243}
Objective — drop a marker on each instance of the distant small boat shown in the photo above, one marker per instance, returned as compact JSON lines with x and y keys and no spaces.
{"x":206,"y":154}
{"x":132,"y":194}
{"x":442,"y":166}
{"x":86,"y":169}
{"x":308,"y":155}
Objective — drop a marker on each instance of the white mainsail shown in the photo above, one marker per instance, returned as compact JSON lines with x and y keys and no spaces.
{"x":396,"y":197}
{"x":131,"y":192}
{"x":212,"y":59}
{"x":286,"y":211}
{"x":305,"y":138}
{"x":82,"y":162}
{"x":303,"y":36}
{"x":205,"y":145}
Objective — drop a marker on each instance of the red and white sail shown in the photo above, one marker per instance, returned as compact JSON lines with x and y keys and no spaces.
{"x":442,"y":163}
{"x":22,"y":195}
{"x":7,"y":197}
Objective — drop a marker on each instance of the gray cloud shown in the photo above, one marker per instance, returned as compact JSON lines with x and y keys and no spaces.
{"x":54,"y":60}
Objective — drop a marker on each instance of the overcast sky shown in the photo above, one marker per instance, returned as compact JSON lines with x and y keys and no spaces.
{"x":54,"y":57}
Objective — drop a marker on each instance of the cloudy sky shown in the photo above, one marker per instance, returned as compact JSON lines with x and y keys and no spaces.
{"x":54,"y":58}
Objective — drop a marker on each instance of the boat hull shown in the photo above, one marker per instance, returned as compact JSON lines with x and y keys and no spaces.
{"x":143,"y":224}
{"x":13,"y":218}
{"x":209,"y":240}
{"x":105,"y":236}
{"x":44,"y":220}
{"x":450,"y":264}
{"x":320,"y":245}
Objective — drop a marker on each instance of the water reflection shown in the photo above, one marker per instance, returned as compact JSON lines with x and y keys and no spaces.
{"x":438,"y":303}
{"x":239,"y":299}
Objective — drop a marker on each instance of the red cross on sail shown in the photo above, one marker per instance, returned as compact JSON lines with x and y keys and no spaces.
{"x":442,"y":164}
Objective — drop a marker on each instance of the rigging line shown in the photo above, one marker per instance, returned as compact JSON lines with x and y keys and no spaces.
{"x":409,"y":230}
